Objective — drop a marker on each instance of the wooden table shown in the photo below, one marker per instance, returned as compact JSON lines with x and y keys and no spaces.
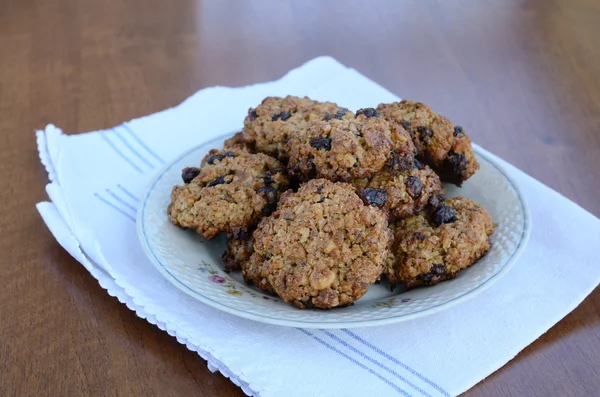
{"x":522,"y":76}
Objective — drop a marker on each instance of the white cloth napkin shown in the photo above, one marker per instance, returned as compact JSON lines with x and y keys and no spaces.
{"x":97,"y":178}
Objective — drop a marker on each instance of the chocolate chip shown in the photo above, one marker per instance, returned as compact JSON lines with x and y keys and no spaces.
{"x":215,"y":157}
{"x":217,"y":181}
{"x":444,"y":214}
{"x":414,"y":186}
{"x":229,"y":154}
{"x":374,"y":197}
{"x":438,"y":269}
{"x":270,"y":195}
{"x":276,"y":117}
{"x":436,"y":201}
{"x":266,"y":256}
{"x":458,"y":130}
{"x":276,"y":153}
{"x":320,"y":189}
{"x":368,"y":112}
{"x":457,"y":162}
{"x":419,"y":236}
{"x":356,"y":164}
{"x":417,"y":164}
{"x":321,"y":142}
{"x":189,"y":173}
{"x":252,"y":115}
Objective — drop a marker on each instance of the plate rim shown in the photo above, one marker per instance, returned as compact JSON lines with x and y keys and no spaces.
{"x":320,"y":324}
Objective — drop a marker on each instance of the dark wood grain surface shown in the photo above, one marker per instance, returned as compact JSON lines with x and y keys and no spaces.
{"x":522,"y":76}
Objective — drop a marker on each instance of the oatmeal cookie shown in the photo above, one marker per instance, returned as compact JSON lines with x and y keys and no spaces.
{"x":403,"y":194}
{"x":230,"y":191}
{"x":343,"y":150}
{"x":435,"y":245}
{"x":321,"y":248}
{"x":238,"y":250}
{"x":440,"y":144}
{"x":238,"y":142}
{"x":272,"y":123}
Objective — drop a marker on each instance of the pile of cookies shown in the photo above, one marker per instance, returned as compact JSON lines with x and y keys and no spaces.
{"x":319,"y":202}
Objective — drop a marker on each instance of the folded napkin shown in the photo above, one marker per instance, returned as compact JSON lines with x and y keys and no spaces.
{"x":96,"y":182}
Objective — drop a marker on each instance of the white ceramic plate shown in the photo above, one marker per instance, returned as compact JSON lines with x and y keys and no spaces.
{"x":195,"y":267}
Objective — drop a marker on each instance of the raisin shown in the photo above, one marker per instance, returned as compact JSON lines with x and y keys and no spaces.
{"x":368,"y":112}
{"x":457,"y":162}
{"x":438,"y":269}
{"x":338,"y":115}
{"x":419,"y":236}
{"x":270,"y":195}
{"x":436,"y":201}
{"x":252,"y":115}
{"x":268,"y":178}
{"x":427,"y":277}
{"x":398,"y":163}
{"x":459,"y":131}
{"x":424,"y":133}
{"x":414,"y":186}
{"x":320,"y":189}
{"x":283,"y":116}
{"x":374,"y":197}
{"x":406,"y":125}
{"x":217,"y":181}
{"x":394,"y":159}
{"x":189,"y":173}
{"x":239,"y":234}
{"x":215,"y":157}
{"x":312,"y":169}
{"x":321,"y":142}
{"x":444,"y":214}
{"x":229,"y":154}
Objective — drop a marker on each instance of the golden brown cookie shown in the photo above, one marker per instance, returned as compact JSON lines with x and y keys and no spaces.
{"x":403,"y":194}
{"x":435,"y":245}
{"x":238,"y":142}
{"x":440,"y":144}
{"x":321,"y":248}
{"x":271,"y":124}
{"x":238,"y":250}
{"x":229,"y":192}
{"x":351,"y":148}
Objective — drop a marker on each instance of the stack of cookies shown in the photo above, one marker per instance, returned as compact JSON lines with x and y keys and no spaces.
{"x":319,"y":202}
